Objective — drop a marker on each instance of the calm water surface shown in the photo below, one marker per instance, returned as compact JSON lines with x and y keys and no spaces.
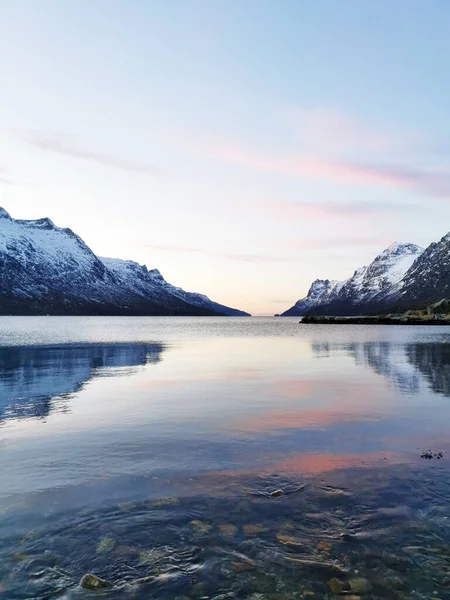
{"x":150,"y":447}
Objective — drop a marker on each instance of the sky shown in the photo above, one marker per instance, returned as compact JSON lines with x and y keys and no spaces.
{"x":242,"y":147}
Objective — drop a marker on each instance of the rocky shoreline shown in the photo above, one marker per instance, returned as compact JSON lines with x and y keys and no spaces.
{"x":378,"y":320}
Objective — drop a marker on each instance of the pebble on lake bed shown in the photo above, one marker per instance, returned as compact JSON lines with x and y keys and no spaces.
{"x":201,"y":527}
{"x":288,"y":540}
{"x":92,"y":582}
{"x":276,"y":493}
{"x":228,"y":529}
{"x":162,"y":502}
{"x":360,"y":585}
{"x":324,"y":546}
{"x":253,"y":529}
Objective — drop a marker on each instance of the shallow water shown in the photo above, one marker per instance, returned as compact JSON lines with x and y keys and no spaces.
{"x":137,"y":447}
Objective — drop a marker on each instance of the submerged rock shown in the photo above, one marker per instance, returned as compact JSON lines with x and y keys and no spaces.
{"x":276,"y":493}
{"x":106,"y":545}
{"x":360,"y":585}
{"x":242,"y":566}
{"x":336,"y":585}
{"x":92,"y":582}
{"x":20,"y":556}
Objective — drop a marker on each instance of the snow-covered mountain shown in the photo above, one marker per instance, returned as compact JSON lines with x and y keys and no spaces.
{"x":151,"y":283}
{"x":369,"y":288}
{"x":45,"y":269}
{"x":321,"y":292}
{"x":428,"y":279}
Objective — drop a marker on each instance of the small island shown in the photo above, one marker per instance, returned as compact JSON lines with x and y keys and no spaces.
{"x":434,"y":314}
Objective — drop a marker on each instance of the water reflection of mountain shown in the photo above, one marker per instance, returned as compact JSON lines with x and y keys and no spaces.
{"x":35,"y":380}
{"x":433,"y":361}
{"x":406,"y":366}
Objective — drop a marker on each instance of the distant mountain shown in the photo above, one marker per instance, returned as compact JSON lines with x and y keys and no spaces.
{"x":45,"y":269}
{"x":385,"y":282}
{"x":322,"y":292}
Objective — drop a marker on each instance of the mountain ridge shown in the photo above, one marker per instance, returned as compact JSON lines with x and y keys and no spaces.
{"x":45,"y":269}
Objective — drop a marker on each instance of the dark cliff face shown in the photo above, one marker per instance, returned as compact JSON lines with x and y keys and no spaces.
{"x":48,"y":270}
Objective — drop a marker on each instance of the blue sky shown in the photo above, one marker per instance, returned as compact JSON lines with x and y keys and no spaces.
{"x":243,"y":147}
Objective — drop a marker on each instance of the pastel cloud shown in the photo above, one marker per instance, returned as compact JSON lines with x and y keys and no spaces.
{"x":435,"y":182}
{"x":68,"y":145}
{"x":332,"y":147}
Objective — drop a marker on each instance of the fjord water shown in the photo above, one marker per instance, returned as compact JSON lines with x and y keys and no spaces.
{"x":138,"y":447}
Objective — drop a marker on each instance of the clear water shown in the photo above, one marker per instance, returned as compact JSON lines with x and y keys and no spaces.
{"x":149,"y":447}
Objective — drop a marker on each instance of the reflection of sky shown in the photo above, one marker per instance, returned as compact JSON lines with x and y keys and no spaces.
{"x":230,"y":404}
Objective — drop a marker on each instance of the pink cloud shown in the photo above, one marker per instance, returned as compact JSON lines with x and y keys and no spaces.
{"x":331,"y":210}
{"x":307,"y":166}
{"x":327,"y":143}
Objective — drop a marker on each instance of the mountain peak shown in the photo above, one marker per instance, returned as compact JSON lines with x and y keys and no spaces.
{"x":4,"y":214}
{"x":398,"y":248}
{"x":44,"y":223}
